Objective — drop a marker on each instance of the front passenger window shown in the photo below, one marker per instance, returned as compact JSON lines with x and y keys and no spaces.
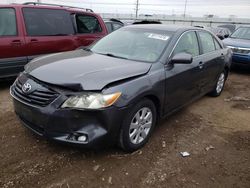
{"x":207,"y":42}
{"x":188,"y":44}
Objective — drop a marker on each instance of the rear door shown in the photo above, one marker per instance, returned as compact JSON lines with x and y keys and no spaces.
{"x":12,"y":52}
{"x":48,"y":31}
{"x":212,"y":60}
{"x":88,"y":28}
{"x":182,"y":80}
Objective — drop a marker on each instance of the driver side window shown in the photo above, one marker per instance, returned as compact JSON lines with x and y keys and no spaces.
{"x":188,"y":44}
{"x":87,"y":24}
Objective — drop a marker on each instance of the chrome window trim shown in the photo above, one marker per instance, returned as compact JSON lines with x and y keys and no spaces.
{"x":194,"y":30}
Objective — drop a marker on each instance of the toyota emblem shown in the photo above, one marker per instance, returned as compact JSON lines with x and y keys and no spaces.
{"x":26,"y":87}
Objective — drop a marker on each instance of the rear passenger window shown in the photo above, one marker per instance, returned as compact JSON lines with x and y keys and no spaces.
{"x":7,"y":22}
{"x":217,"y":45}
{"x":47,"y":22}
{"x":207,"y":42}
{"x":109,"y":27}
{"x":116,"y":26}
{"x":188,"y":43}
{"x":87,"y":24}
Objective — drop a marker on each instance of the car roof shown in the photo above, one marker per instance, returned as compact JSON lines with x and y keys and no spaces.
{"x":47,"y":6}
{"x":163,"y":27}
{"x":248,"y":26}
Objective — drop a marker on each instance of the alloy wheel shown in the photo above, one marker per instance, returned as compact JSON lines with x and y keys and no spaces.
{"x":220,"y":83}
{"x":140,"y":125}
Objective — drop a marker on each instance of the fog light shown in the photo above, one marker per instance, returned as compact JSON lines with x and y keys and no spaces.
{"x":82,"y":138}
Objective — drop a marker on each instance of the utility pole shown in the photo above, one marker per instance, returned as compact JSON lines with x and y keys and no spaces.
{"x":136,"y":9}
{"x":185,"y":9}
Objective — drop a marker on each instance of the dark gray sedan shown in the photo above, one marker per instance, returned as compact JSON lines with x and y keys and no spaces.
{"x":116,"y":91}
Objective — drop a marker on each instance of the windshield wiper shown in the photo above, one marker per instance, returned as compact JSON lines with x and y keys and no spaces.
{"x":87,"y":49}
{"x":113,"y":55}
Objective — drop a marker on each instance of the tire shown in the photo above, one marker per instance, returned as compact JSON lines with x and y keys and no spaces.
{"x":220,"y":83}
{"x":135,"y":134}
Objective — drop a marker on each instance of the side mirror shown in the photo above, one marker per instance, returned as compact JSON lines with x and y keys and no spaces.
{"x":226,"y":36}
{"x":182,"y":58}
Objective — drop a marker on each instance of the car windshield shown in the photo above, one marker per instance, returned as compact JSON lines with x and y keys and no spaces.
{"x":242,"y":33}
{"x":134,"y":44}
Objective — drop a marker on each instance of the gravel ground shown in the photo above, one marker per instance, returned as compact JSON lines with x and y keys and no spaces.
{"x":215,"y":131}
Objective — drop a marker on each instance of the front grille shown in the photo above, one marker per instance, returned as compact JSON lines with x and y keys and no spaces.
{"x":241,"y":50}
{"x":41,"y":96}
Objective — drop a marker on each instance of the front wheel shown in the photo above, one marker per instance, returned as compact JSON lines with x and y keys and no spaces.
{"x":219,"y":85}
{"x":138,"y":126}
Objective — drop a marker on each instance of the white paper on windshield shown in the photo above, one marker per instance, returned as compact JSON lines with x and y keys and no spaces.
{"x":158,"y":36}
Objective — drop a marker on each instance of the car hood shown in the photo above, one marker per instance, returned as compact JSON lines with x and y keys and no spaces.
{"x":84,"y":70}
{"x":243,"y":43}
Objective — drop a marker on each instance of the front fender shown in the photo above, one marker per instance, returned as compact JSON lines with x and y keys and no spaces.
{"x":150,"y":84}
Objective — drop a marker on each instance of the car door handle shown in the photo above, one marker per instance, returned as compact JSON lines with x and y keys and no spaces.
{"x":201,"y":64}
{"x":222,"y":56}
{"x":16,"y":42}
{"x":33,"y":40}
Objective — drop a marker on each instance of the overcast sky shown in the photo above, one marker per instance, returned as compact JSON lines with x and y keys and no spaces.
{"x":222,"y":8}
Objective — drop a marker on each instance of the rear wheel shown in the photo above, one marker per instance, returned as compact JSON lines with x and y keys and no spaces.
{"x":219,"y":84}
{"x":138,"y":126}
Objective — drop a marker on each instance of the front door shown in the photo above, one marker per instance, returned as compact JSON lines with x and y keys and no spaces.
{"x":12,"y":53}
{"x":182,"y":80}
{"x":88,"y":29}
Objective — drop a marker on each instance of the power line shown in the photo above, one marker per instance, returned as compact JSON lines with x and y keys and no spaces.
{"x":136,"y":8}
{"x":190,"y":3}
{"x":185,"y":9}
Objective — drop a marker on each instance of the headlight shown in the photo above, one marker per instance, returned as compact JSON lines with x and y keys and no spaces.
{"x":91,"y":101}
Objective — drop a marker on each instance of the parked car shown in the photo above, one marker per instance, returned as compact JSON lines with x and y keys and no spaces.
{"x":33,"y":29}
{"x":231,"y":27}
{"x":113,"y":24}
{"x":147,"y":22}
{"x":116,"y":91}
{"x":220,"y":32}
{"x":239,"y":42}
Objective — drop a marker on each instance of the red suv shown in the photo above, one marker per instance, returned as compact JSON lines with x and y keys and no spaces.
{"x":33,"y":29}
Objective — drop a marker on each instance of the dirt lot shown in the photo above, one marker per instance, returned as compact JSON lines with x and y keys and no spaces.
{"x":216,"y":132}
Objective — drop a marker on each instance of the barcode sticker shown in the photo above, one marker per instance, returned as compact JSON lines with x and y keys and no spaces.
{"x":158,"y":36}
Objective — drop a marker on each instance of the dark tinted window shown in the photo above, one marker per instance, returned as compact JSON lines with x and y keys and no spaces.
{"x":188,"y":43}
{"x":207,"y":42}
{"x":87,"y":24}
{"x":109,"y":27}
{"x":47,"y":22}
{"x":7,"y":22}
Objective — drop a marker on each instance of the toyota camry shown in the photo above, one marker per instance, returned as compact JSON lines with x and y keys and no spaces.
{"x":115,"y":91}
